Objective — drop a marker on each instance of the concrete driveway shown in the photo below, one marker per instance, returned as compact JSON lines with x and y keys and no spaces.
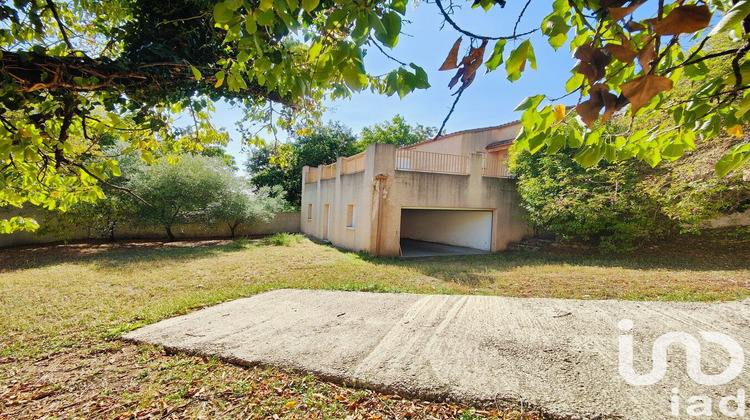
{"x":559,"y":356}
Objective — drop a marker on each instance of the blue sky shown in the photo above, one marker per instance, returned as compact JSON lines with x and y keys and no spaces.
{"x":490,"y":100}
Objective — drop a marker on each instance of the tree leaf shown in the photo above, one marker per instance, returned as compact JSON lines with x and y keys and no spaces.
{"x":623,"y":52}
{"x":641,"y":90}
{"x":451,"y":62}
{"x":222,"y":14}
{"x":392,"y":23}
{"x":735,"y":131}
{"x":618,"y":13}
{"x":601,"y":97}
{"x":593,"y":62}
{"x":310,"y":5}
{"x":684,"y":19}
{"x":734,"y":16}
{"x":646,"y":55}
{"x":517,"y":59}
{"x":559,"y":111}
{"x":496,"y":58}
{"x":399,"y":6}
{"x":250,"y":26}
{"x":220,"y":76}
{"x":196,"y":73}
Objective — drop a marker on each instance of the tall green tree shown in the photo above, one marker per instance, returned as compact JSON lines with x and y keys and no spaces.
{"x":179,"y":193}
{"x":282,"y":164}
{"x":396,"y":131}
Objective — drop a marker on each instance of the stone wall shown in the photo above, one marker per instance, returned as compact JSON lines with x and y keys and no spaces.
{"x":282,"y":222}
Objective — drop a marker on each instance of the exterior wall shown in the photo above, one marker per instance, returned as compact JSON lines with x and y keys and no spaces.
{"x":338,"y":193}
{"x":282,"y":222}
{"x":380,"y":193}
{"x":468,"y":142}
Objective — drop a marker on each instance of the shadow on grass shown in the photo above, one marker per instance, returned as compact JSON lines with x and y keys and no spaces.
{"x":116,"y":254}
{"x":716,"y":251}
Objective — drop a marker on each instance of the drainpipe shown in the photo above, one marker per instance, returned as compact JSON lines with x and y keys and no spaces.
{"x":379,"y":178}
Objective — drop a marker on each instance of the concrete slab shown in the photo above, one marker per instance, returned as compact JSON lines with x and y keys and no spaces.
{"x":411,"y":248}
{"x":560,"y":356}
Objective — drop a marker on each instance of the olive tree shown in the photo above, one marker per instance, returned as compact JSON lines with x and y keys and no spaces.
{"x":179,"y":193}
{"x":237,"y":205}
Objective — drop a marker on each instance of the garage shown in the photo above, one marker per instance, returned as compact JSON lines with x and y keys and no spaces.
{"x":430,"y":231}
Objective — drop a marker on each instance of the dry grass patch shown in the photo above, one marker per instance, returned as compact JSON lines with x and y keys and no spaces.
{"x":63,"y":308}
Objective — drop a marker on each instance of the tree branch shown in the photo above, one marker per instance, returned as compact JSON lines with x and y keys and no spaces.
{"x":520,"y":16}
{"x":447,"y":117}
{"x":60,"y":24}
{"x":110,"y":185}
{"x":455,"y":26}
{"x":385,"y":53}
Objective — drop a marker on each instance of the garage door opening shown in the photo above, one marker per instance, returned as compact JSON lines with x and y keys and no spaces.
{"x":433,"y":232}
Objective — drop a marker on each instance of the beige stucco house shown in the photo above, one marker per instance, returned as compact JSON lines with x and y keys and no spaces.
{"x":452,"y":190}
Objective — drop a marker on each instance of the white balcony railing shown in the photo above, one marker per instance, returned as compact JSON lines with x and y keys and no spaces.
{"x":495,"y":168}
{"x":440,"y":163}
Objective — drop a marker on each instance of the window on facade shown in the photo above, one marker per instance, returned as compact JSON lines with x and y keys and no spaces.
{"x":309,"y":212}
{"x":350,"y":216}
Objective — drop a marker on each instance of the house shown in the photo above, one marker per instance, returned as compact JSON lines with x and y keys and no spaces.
{"x":453,"y":190}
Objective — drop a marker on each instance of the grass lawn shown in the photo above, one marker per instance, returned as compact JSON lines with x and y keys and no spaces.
{"x":62,"y":309}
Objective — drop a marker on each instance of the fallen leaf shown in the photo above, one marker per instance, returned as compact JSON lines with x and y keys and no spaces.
{"x":594,"y":62}
{"x":735,"y":131}
{"x":684,"y":19}
{"x":559,"y":110}
{"x":451,"y":62}
{"x":623,"y":52}
{"x":641,"y":90}
{"x":291,"y":404}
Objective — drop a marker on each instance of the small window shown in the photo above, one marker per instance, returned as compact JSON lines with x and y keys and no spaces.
{"x":350,"y":216}
{"x":309,"y":212}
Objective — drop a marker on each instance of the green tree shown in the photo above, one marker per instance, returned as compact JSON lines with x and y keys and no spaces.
{"x":282,"y":164}
{"x":179,"y":193}
{"x":605,"y":204}
{"x":396,"y":131}
{"x":73,"y":72}
{"x":237,"y":206}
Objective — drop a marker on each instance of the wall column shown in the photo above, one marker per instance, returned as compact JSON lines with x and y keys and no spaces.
{"x":385,"y":211}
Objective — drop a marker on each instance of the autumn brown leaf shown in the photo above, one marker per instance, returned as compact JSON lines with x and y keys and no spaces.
{"x":600,"y":98}
{"x":451,"y":62}
{"x":641,"y":90}
{"x":684,"y":19}
{"x":633,"y":26}
{"x":594,"y":62}
{"x":646,"y":55}
{"x":618,"y":13}
{"x":623,"y":52}
{"x":468,"y":67}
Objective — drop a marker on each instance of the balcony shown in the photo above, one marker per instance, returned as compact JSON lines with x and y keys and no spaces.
{"x":411,"y":161}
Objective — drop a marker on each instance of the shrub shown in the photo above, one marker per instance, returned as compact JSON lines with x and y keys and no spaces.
{"x":282,"y":239}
